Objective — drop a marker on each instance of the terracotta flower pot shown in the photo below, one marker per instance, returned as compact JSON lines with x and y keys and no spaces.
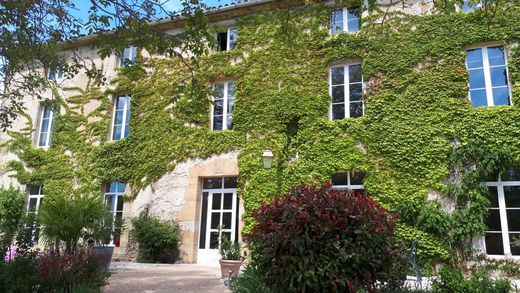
{"x":230,"y":268}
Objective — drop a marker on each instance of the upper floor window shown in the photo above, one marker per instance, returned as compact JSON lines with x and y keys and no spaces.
{"x":348,"y":180}
{"x":227,"y":40}
{"x":114,"y":194}
{"x":120,"y":124}
{"x":346,"y":89}
{"x":128,"y":56}
{"x":46,"y":122}
{"x":488,"y":82}
{"x":503,"y":222}
{"x":223,"y":102}
{"x":33,"y":205}
{"x":468,"y":6}
{"x":344,"y":20}
{"x":55,"y":74}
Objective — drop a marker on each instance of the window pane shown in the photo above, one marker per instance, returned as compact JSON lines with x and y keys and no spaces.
{"x":511,"y":174}
{"x":476,"y":79}
{"x":340,"y":178}
{"x":218,"y":89}
{"x":228,"y":201}
{"x":478,"y":97}
{"x":43,"y":139}
{"x":118,"y":120}
{"x":212,"y":183}
{"x":233,"y":32}
{"x":493,"y":220}
{"x":468,"y":7}
{"x":354,"y":73}
{"x":338,"y":94}
{"x":337,"y":15}
{"x":203,"y":219}
{"x":356,"y":178}
{"x":231,"y":89}
{"x":353,"y":25}
{"x":231,"y":103}
{"x":215,"y":220}
{"x":356,"y":92}
{"x":32,"y":204}
{"x":117,"y":132}
{"x":218,"y":107}
{"x":338,"y":111}
{"x":514,"y":243}
{"x":494,"y":243}
{"x":496,"y":56}
{"x":222,"y":41}
{"x":217,"y":201}
{"x":512,"y":196}
{"x":229,"y":122}
{"x":498,"y":76}
{"x":356,"y":109}
{"x":217,"y":123}
{"x":213,"y":240}
{"x":34,"y":189}
{"x":474,"y":58}
{"x":493,"y":196}
{"x":501,"y":96}
{"x":121,"y":187}
{"x":353,"y":19}
{"x":513,"y":220}
{"x":120,"y":203}
{"x":337,"y":75}
{"x":230,"y":182}
{"x":120,"y":103}
{"x":226,"y":220}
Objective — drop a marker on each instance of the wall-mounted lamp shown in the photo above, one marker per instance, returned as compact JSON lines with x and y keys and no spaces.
{"x":267,"y":158}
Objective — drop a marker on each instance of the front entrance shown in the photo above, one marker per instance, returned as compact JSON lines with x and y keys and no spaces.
{"x":218,"y":217}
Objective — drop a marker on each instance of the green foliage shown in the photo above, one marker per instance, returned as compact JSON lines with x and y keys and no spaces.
{"x":451,"y":280}
{"x":68,"y":219}
{"x":19,"y":275}
{"x":320,"y":239}
{"x":229,"y":250}
{"x":420,"y":141}
{"x":250,"y":280}
{"x":158,"y":241}
{"x":11,"y":213}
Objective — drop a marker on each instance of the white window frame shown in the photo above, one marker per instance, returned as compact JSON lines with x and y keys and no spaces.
{"x":116,"y":196}
{"x":499,"y":184}
{"x":48,"y":131}
{"x":58,"y":74}
{"x":346,"y":93}
{"x":39,"y":197}
{"x":132,"y":56}
{"x":225,"y":114}
{"x":126,"y":109}
{"x":228,"y":38}
{"x":345,"y":20}
{"x":349,"y":186}
{"x":487,"y":74}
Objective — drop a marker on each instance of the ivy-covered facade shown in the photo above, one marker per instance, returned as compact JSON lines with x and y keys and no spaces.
{"x":413,"y":101}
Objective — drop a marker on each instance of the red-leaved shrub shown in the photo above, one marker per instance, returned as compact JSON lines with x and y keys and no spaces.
{"x":317,"y":239}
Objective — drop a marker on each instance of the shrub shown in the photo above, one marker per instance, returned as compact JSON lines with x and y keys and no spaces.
{"x":229,"y":250}
{"x":158,"y":241}
{"x":11,"y":213}
{"x":249,"y":281}
{"x":452,"y":280}
{"x":320,"y":239}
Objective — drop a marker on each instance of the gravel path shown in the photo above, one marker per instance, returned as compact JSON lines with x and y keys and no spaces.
{"x":138,"y":277}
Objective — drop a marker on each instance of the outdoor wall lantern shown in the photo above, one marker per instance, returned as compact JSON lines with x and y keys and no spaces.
{"x":267,"y":158}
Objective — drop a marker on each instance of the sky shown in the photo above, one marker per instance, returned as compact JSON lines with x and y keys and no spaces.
{"x":82,"y":6}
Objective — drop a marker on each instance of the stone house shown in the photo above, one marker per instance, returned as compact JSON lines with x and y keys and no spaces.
{"x":355,"y":111}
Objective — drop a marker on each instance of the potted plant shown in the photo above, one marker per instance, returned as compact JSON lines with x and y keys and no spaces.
{"x":231,"y":259}
{"x":102,"y":233}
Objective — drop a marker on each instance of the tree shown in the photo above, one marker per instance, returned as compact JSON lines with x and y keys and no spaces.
{"x":32,"y":33}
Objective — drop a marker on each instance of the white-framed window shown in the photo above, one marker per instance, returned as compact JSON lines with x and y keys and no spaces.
{"x":488,"y":76}
{"x":347,"y":180}
{"x":114,"y":200}
{"x":121,"y":118}
{"x":346,"y":90}
{"x":222,"y":108}
{"x":345,"y":20}
{"x":47,"y":115}
{"x":34,"y":202}
{"x":55,"y":74}
{"x":503,"y":235}
{"x":128,"y":56}
{"x":227,"y":40}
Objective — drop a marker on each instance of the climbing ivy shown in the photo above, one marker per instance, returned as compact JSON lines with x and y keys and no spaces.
{"x":420,"y":141}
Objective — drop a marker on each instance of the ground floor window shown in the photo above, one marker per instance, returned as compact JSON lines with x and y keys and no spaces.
{"x":503,"y":221}
{"x":33,"y":205}
{"x":114,"y":194}
{"x":347,"y":180}
{"x":219,"y":212}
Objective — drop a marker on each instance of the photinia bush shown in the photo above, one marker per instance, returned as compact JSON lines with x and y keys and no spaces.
{"x":317,"y":239}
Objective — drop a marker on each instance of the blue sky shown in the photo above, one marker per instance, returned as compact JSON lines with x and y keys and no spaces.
{"x":171,"y":5}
